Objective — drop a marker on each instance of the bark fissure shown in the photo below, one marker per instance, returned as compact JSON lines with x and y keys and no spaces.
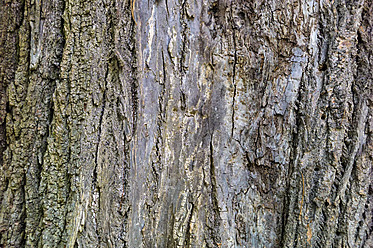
{"x":214,"y":196}
{"x":186,"y":124}
{"x":134,"y":95}
{"x":234,"y":73}
{"x":187,"y":242}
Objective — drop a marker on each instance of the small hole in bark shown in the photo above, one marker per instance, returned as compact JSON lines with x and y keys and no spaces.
{"x":317,"y":169}
{"x":8,"y":108}
{"x":242,"y":15}
{"x":323,"y":116}
{"x":323,"y":67}
{"x":214,"y":8}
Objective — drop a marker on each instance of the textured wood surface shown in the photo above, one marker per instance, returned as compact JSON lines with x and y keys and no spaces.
{"x":193,"y":123}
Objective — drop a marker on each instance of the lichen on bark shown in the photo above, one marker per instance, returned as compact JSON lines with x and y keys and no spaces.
{"x":211,"y":123}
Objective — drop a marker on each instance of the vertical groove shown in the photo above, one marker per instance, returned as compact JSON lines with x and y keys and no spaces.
{"x":214,"y":197}
{"x":234,"y":72}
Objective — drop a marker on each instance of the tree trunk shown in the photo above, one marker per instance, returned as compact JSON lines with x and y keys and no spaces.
{"x":186,"y":123}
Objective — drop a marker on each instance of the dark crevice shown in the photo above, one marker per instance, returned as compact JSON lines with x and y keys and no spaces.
{"x":168,"y":13}
{"x":22,"y":223}
{"x":164,"y":71}
{"x":234,"y":73}
{"x":44,"y":145}
{"x":51,"y":117}
{"x":95,"y":174}
{"x":285,"y":216}
{"x":235,"y":88}
{"x":182,"y":101}
{"x":3,"y":144}
{"x":134,"y":91}
{"x":183,"y":52}
{"x":187,"y":242}
{"x":296,"y":148}
{"x":183,"y":23}
{"x":214,"y":197}
{"x":160,"y":119}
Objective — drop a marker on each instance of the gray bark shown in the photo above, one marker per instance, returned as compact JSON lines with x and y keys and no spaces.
{"x":186,"y":123}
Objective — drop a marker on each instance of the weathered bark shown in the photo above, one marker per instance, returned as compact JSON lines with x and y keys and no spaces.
{"x":186,"y":123}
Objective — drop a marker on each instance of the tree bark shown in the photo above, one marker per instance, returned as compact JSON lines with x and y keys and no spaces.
{"x":186,"y":123}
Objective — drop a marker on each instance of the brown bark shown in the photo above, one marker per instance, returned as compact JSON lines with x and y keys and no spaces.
{"x":186,"y":123}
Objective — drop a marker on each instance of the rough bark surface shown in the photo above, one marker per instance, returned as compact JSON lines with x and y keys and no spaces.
{"x":211,"y":123}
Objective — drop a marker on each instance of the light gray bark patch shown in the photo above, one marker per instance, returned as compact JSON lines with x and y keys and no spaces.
{"x":186,"y":123}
